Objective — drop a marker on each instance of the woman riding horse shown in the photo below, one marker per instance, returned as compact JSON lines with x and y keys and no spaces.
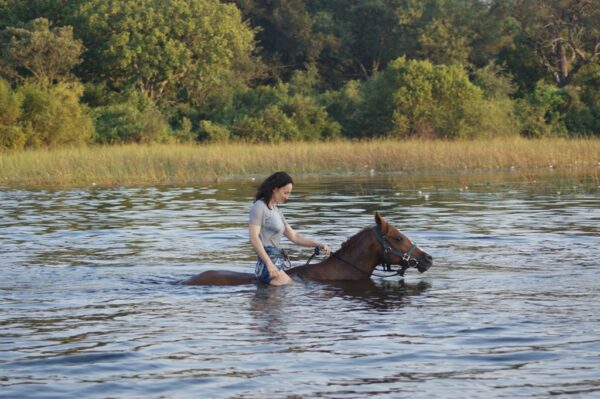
{"x":382,"y":244}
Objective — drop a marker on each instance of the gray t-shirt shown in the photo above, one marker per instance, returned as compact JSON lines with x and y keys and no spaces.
{"x":271,"y":222}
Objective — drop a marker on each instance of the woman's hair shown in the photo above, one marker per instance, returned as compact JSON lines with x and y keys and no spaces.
{"x":276,"y":180}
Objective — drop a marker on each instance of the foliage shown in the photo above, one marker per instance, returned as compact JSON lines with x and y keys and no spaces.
{"x":213,"y":132}
{"x":58,"y":12}
{"x":565,"y":34}
{"x":286,"y":33}
{"x":419,"y":99}
{"x":295,"y":70}
{"x":11,"y":135}
{"x":184,"y":134}
{"x":285,"y":111}
{"x":540,"y":112}
{"x":344,"y":105}
{"x":494,"y":81}
{"x":166,"y":49}
{"x":454,"y":31}
{"x":272,"y":125}
{"x":521,"y":62}
{"x":12,"y":138}
{"x":38,"y":51}
{"x":133,"y":120}
{"x":10,"y":104}
{"x":53,"y":116}
{"x":582,"y":111}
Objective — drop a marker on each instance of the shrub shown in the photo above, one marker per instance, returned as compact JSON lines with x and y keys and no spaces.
{"x":134,"y":120}
{"x":272,"y":125}
{"x":53,"y":116}
{"x":284,"y":111}
{"x":184,"y":134}
{"x":12,"y":137}
{"x":494,"y":82}
{"x":498,"y":108}
{"x":417,"y":98}
{"x":10,"y":104}
{"x":539,"y":112}
{"x":582,"y":109}
{"x":213,"y":132}
{"x":311,"y":119}
{"x":343,"y":106}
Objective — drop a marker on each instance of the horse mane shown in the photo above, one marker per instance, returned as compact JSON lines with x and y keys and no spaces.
{"x":351,"y":241}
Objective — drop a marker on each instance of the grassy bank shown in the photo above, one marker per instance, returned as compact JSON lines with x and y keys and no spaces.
{"x":189,"y":164}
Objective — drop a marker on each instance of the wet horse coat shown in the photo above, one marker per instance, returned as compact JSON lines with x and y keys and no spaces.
{"x":355,"y":260}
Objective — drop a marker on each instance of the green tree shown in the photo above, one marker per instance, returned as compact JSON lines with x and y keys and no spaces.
{"x":358,"y":37}
{"x":419,"y":99}
{"x":374,"y":34}
{"x":362,"y":37}
{"x":285,"y":33}
{"x":344,"y":105}
{"x":565,"y":34}
{"x":58,"y":12}
{"x":169,"y":50}
{"x":37,"y":51}
{"x":441,"y":31}
{"x":581,"y":108}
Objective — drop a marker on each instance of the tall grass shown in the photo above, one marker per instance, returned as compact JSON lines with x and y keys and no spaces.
{"x":189,"y":164}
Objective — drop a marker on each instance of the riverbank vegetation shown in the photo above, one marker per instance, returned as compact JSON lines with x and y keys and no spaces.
{"x":179,"y":164}
{"x":115,"y":72}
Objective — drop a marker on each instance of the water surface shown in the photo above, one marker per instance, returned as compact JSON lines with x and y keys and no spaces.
{"x":88,"y":307}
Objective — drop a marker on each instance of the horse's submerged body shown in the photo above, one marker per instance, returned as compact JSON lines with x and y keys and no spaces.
{"x":382,"y":244}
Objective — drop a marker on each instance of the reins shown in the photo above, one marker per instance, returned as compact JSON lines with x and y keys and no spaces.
{"x":317,"y":251}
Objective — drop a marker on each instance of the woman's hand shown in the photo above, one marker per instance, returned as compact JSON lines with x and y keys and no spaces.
{"x":326,"y":249}
{"x":279,"y":277}
{"x":274,"y":272}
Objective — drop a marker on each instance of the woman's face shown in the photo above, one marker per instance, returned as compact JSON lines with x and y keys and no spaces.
{"x":281,"y":194}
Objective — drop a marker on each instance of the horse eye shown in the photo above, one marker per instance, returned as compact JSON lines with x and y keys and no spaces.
{"x":399,"y":239}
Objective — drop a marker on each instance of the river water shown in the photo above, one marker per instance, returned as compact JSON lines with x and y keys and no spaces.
{"x":88,"y":308}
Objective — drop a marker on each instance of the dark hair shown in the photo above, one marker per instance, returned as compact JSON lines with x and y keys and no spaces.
{"x":276,"y":180}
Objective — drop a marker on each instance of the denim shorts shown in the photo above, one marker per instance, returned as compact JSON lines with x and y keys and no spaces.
{"x":279,"y":258}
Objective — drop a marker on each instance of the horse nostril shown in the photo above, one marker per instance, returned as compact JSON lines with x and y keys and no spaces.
{"x":429,"y":258}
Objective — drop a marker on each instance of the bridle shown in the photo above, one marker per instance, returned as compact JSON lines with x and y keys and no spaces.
{"x":407,"y":258}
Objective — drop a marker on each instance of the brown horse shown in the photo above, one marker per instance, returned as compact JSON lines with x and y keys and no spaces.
{"x":382,"y":244}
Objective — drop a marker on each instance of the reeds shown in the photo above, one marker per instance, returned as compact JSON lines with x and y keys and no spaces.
{"x":189,"y":164}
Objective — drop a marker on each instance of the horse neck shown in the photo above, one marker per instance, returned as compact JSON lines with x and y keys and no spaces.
{"x":361,"y":250}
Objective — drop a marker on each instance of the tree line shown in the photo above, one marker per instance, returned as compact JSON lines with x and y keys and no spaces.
{"x":120,"y":71}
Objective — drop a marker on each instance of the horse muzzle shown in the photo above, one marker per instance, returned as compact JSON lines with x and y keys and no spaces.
{"x":425,"y":262}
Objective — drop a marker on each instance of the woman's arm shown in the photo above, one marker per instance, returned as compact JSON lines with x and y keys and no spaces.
{"x":299,"y":239}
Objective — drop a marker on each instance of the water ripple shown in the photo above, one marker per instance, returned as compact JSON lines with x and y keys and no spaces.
{"x":88,"y":307}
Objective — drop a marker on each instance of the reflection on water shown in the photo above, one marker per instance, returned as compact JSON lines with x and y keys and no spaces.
{"x":88,"y":308}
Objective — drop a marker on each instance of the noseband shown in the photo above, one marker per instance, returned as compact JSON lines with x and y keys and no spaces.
{"x":388,"y":251}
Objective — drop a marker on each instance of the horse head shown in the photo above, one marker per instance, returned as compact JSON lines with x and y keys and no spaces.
{"x":398,"y":249}
{"x":382,"y":244}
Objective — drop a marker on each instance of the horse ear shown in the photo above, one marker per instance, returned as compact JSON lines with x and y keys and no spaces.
{"x":380,"y":221}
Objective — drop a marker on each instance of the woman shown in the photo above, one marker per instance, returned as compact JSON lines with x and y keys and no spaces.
{"x":266,"y":227}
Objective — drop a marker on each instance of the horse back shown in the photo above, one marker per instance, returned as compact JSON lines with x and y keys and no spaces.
{"x":220,"y":277}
